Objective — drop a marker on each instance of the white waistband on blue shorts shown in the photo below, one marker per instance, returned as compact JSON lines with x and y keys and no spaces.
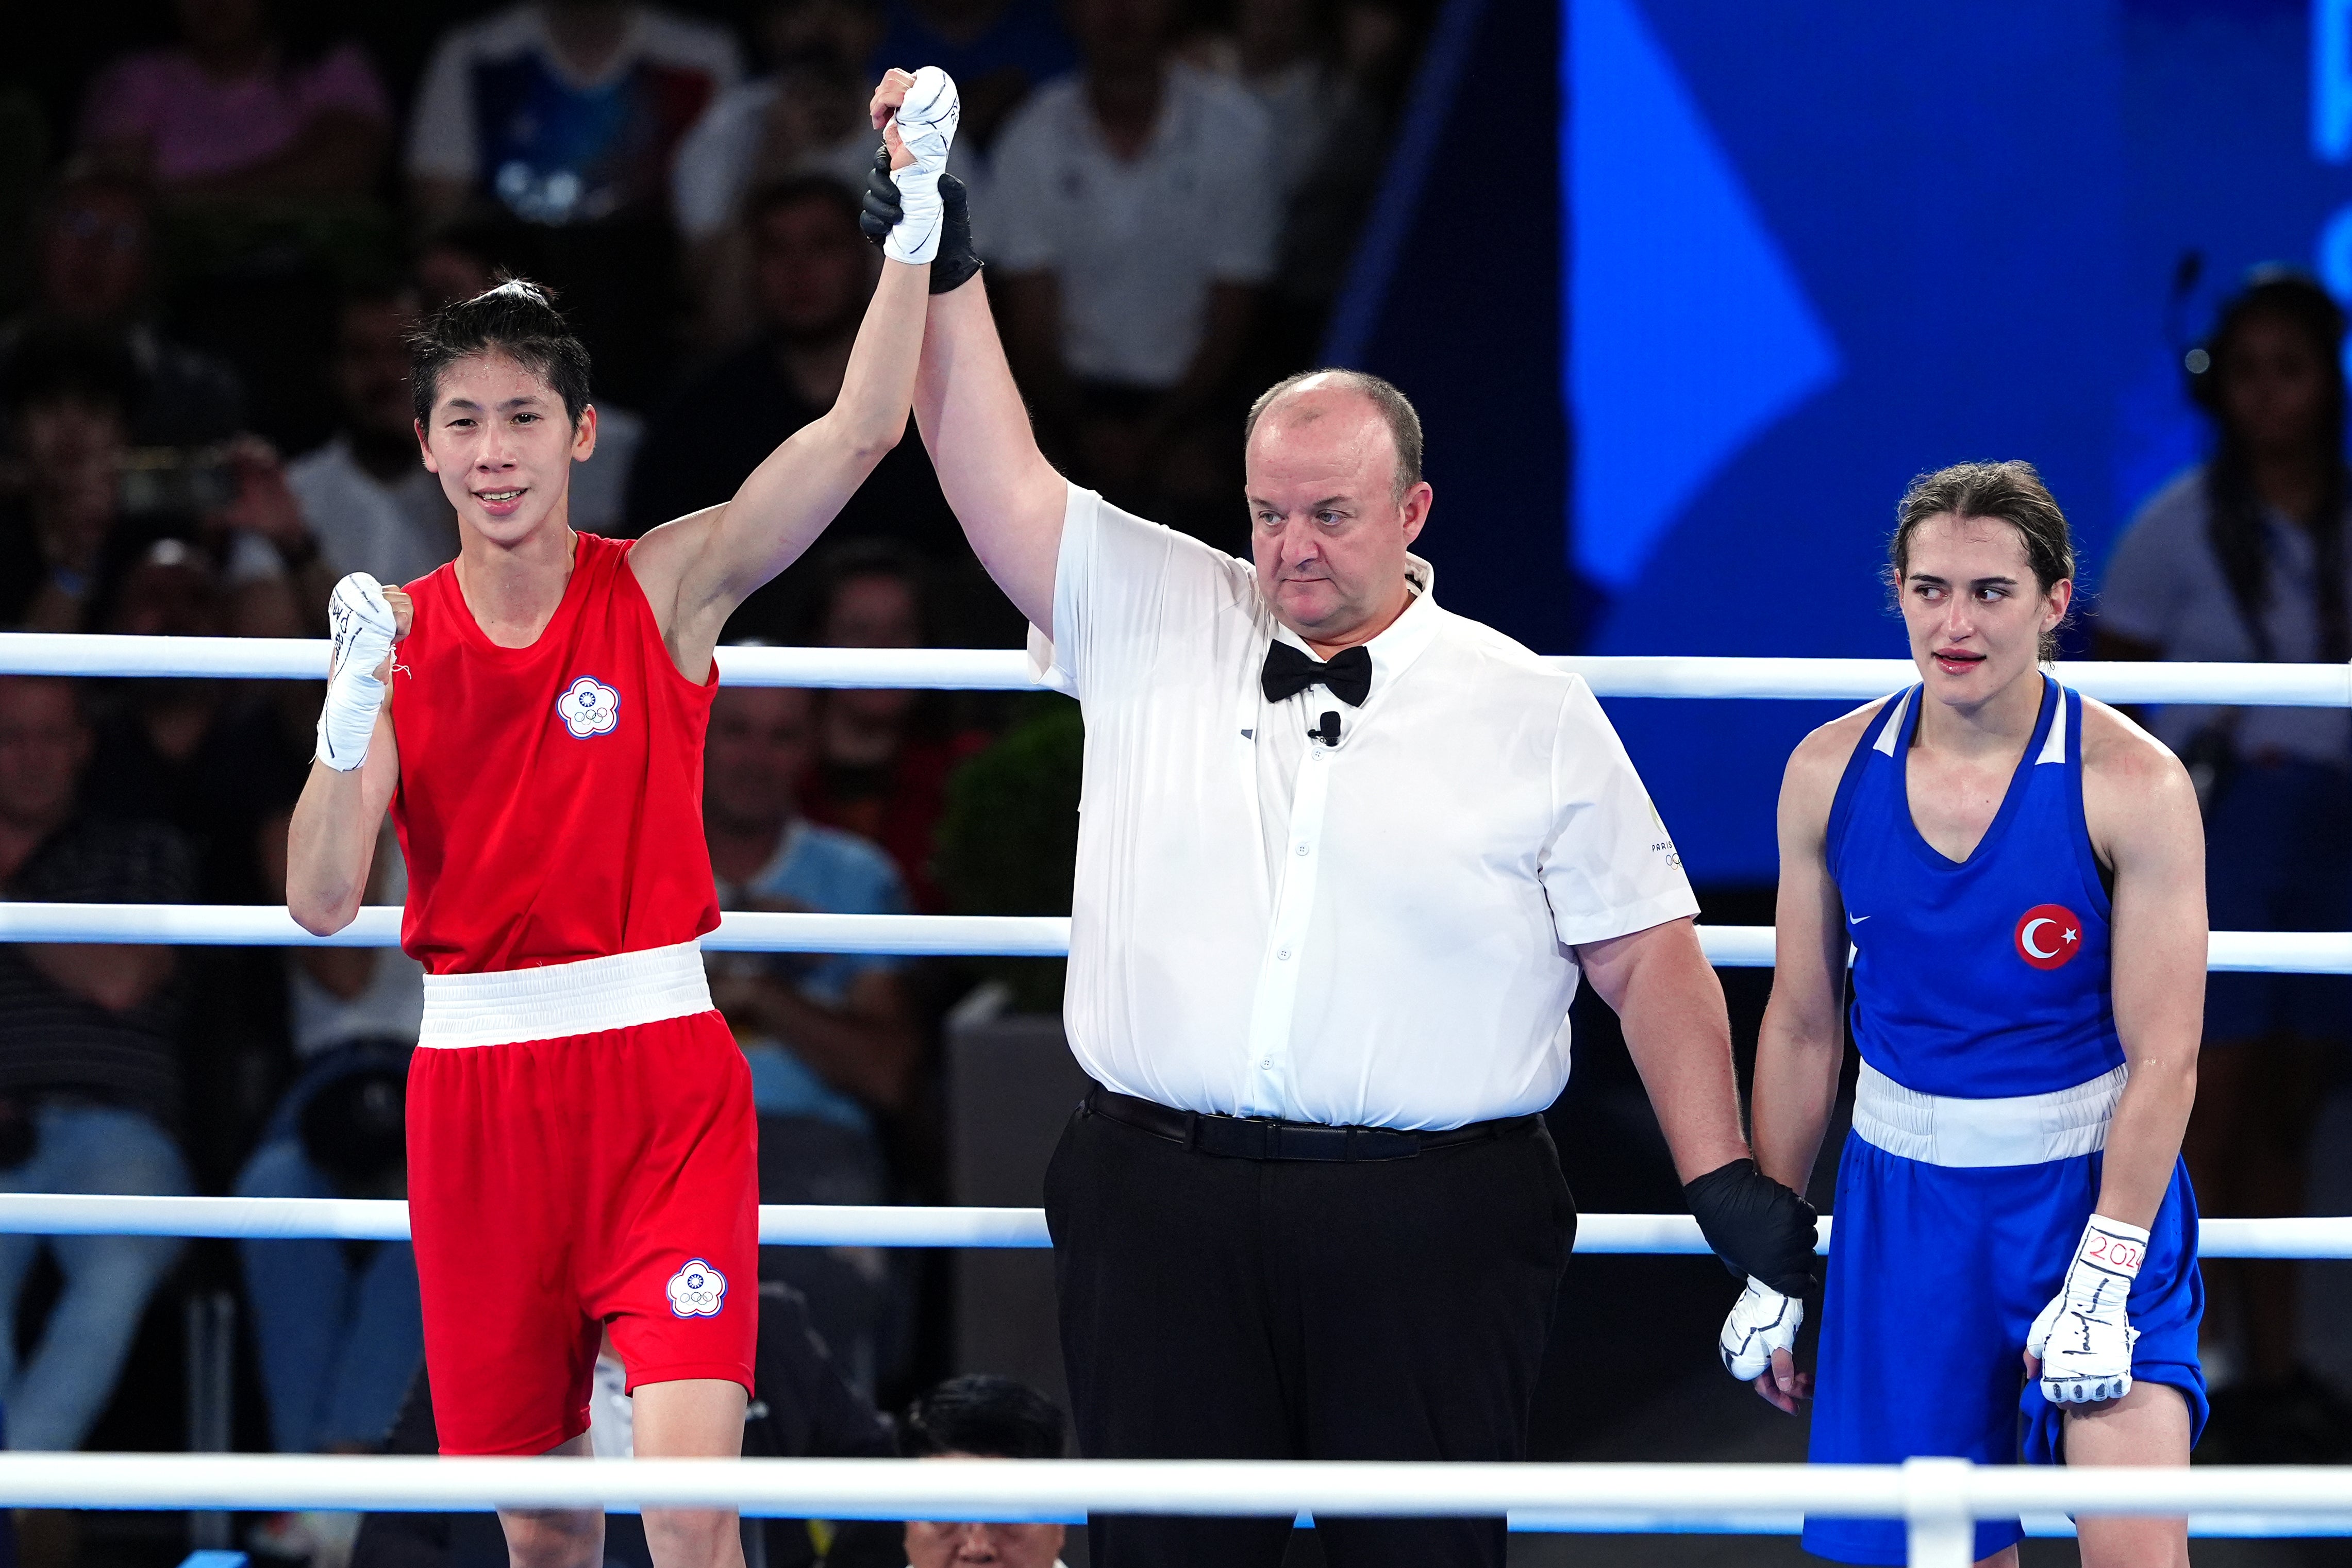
{"x":2020,"y":1129}
{"x":556,"y":1001}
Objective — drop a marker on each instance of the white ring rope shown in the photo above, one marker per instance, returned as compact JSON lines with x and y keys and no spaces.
{"x":1007,"y":669}
{"x":885,"y":1225}
{"x":1012,"y":936}
{"x":1633,"y":1497}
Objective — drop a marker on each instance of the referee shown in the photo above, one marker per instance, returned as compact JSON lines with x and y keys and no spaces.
{"x":1342,"y":859}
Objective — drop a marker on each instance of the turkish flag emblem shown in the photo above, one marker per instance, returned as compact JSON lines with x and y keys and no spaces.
{"x":2049,"y":935}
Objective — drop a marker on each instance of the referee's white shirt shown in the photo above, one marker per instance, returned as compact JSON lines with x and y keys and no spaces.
{"x":1375,"y":933}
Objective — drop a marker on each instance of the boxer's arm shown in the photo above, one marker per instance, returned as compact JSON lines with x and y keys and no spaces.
{"x":696,"y":570}
{"x":1009,"y":499}
{"x":331,"y":840}
{"x":2142,"y":813}
{"x":1802,"y":1046}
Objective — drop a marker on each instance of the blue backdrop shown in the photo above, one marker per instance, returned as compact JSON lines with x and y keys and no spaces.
{"x":1792,"y":256}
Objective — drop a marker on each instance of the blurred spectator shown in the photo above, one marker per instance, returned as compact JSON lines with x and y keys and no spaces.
{"x":830,"y":1039}
{"x":2246,"y":558}
{"x":982,"y":1417}
{"x":565,"y":112}
{"x":808,"y":115}
{"x":66,"y":392}
{"x":88,"y":1063}
{"x":999,"y":51}
{"x":364,"y":497}
{"x":1330,"y":197}
{"x":1134,"y":212}
{"x":337,"y":1326}
{"x":94,"y":259}
{"x":1282,"y":54}
{"x":230,"y":113}
{"x":884,"y":757}
{"x":210,"y":757}
{"x":88,"y":504}
{"x":812,"y":274}
{"x":1328,"y":77}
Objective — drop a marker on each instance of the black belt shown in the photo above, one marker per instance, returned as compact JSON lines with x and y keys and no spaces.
{"x":1264,"y":1137}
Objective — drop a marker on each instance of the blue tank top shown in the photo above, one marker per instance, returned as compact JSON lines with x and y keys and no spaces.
{"x":1989,"y":976}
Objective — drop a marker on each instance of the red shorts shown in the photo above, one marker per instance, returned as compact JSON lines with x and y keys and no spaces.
{"x":558,"y":1187}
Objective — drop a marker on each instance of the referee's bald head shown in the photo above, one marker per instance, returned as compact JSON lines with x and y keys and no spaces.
{"x":1310,"y":396}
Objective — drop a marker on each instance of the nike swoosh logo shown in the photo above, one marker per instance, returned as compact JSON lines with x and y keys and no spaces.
{"x":1856,"y":919}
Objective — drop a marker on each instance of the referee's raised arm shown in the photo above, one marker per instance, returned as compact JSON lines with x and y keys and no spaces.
{"x":1009,"y":499}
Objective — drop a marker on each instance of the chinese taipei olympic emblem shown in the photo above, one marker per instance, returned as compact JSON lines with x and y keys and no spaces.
{"x":697,"y":1290}
{"x":2049,"y":935}
{"x":589,"y":707}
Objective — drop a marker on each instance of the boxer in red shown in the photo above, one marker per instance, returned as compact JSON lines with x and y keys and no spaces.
{"x":582,"y":1157}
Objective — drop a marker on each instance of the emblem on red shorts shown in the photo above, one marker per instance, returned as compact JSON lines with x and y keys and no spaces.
{"x":2049,"y":935}
{"x":697,"y":1290}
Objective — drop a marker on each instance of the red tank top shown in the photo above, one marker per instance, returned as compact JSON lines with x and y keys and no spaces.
{"x":550,"y":796}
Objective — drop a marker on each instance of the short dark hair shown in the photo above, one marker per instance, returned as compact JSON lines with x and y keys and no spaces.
{"x":795,"y":189}
{"x":517,"y":319}
{"x":991,"y":1417}
{"x":1395,"y":408}
{"x":2010,"y":493}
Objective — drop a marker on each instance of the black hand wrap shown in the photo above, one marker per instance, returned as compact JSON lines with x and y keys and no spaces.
{"x":956,"y":261}
{"x":1757,"y":1227}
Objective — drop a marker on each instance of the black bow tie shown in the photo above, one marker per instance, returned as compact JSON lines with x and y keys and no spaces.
{"x":1289,"y":672}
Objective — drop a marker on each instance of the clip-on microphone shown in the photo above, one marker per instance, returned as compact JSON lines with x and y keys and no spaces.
{"x":1330,"y":732}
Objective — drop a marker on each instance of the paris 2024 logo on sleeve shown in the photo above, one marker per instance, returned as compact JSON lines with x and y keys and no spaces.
{"x":697,"y":1290}
{"x":589,"y":707}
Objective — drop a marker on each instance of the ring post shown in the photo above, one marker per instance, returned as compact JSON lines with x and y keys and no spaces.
{"x":1935,"y":1510}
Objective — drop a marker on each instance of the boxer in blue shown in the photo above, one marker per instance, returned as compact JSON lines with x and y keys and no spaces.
{"x":2020,"y":872}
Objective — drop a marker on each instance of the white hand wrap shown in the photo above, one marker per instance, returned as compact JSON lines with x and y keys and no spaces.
{"x":363,"y":626}
{"x":926,"y":124}
{"x":2083,"y":1338}
{"x":1762,"y":1321}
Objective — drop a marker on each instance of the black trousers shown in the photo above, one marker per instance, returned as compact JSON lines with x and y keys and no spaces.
{"x":1228,"y":1309}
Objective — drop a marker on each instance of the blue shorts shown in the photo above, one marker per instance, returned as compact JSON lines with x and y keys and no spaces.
{"x":1935,"y":1275}
{"x":2278,"y":857}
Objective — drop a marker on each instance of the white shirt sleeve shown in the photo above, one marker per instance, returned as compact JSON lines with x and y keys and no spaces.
{"x":2141,"y":596}
{"x":1245,"y":249}
{"x":1609,"y":868}
{"x":1122,"y":588}
{"x":443,"y":144}
{"x":1020,"y":205}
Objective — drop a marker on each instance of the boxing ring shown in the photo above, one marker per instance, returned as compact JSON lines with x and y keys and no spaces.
{"x":1940,"y":1499}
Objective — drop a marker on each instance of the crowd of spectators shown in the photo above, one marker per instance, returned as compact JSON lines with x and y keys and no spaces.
{"x":223,"y":235}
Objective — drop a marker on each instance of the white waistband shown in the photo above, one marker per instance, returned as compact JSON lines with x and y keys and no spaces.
{"x":509,"y":1006}
{"x":2020,"y":1129}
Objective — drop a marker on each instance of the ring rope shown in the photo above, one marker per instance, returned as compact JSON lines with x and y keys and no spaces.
{"x":1010,"y":936}
{"x":890,"y":1224}
{"x":1007,"y":669}
{"x":1645,"y":1496}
